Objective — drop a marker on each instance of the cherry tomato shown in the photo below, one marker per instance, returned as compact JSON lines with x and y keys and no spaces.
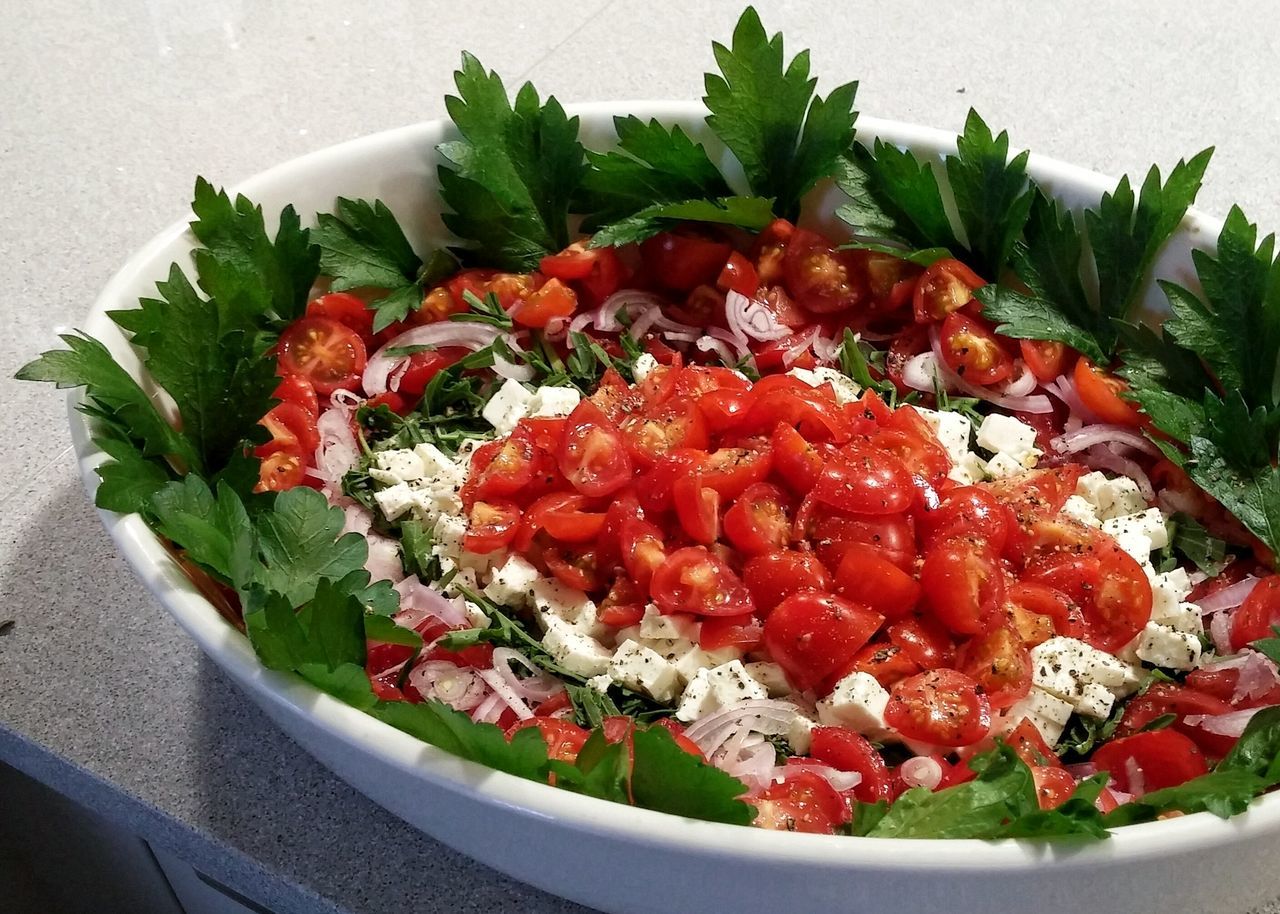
{"x":655,"y":488}
{"x":743,"y":632}
{"x":832,"y":532}
{"x":887,"y":662}
{"x":1047,"y":359}
{"x":574,"y":262}
{"x":391,"y":400}
{"x":682,"y":260}
{"x":804,"y":802}
{"x":1162,"y":758}
{"x":739,"y":275}
{"x":1259,"y":611}
{"x":1100,"y":392}
{"x":283,"y":469}
{"x":1054,"y":786}
{"x":924,"y":640}
{"x":797,"y":462}
{"x":940,"y":707}
{"x":846,"y":750}
{"x":757,"y":521}
{"x":1109,"y":585}
{"x":697,"y":508}
{"x":1168,"y":698}
{"x":328,"y":354}
{"x":564,"y":739}
{"x":1000,"y":663}
{"x":297,"y":389}
{"x":650,"y":436}
{"x":969,"y":511}
{"x":909,"y":343}
{"x":676,"y":729}
{"x":491,"y":525}
{"x":812,"y":634}
{"x":596,"y":272}
{"x":1038,"y":612}
{"x":500,"y":468}
{"x":291,"y":426}
{"x":722,"y":410}
{"x":553,"y":299}
{"x":773,"y":576}
{"x":863,"y":576}
{"x":437,"y":305}
{"x":770,"y":249}
{"x":425,"y":365}
{"x":592,"y":455}
{"x":963,"y":583}
{"x":865,"y":481}
{"x":909,"y":438}
{"x":624,"y":506}
{"x":624,"y":604}
{"x":693,"y":580}
{"x":817,"y":418}
{"x":970,"y":348}
{"x":579,"y":570}
{"x":820,"y":278}
{"x":346,"y":309}
{"x":565,"y":518}
{"x":731,"y":470}
{"x":945,"y":287}
{"x":1028,"y":742}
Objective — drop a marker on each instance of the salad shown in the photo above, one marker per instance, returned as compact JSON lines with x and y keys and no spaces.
{"x":645,"y":487}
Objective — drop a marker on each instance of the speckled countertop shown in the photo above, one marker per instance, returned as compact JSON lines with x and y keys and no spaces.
{"x":111,"y":108}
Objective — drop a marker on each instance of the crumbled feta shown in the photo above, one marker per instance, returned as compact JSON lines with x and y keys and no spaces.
{"x":718,"y":687}
{"x":846,"y":390}
{"x":404,"y":465}
{"x":395,"y":501}
{"x":771,"y":676}
{"x":1184,"y":617}
{"x":1065,"y":667}
{"x":578,"y":653}
{"x":507,"y":407}
{"x":550,"y":402}
{"x":1079,"y":509}
{"x":1096,"y":700}
{"x":696,"y":700}
{"x":953,"y":432}
{"x":552,"y":598}
{"x":1126,"y":498}
{"x":1165,"y":647}
{"x":1150,"y":523}
{"x":969,"y":469}
{"x":1048,"y":713}
{"x":1003,"y":434}
{"x":600,"y":683}
{"x":476,"y":617}
{"x":643,"y":364}
{"x":512,"y":583}
{"x":639,"y":668}
{"x":800,"y":734}
{"x":858,"y":702}
{"x":436,"y":464}
{"x":1095,"y":488}
{"x":1136,"y":544}
{"x":1002,"y":465}
{"x":656,"y":626}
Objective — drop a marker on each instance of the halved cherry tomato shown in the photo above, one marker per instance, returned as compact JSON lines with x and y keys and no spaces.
{"x":757,"y":521}
{"x":813,"y":634}
{"x":865,"y":481}
{"x":624,"y":506}
{"x":677,"y":424}
{"x":1037,"y":612}
{"x":969,"y":511}
{"x":731,"y":470}
{"x":1054,"y":786}
{"x":551,"y":300}
{"x":831,"y":533}
{"x":654,"y":489}
{"x":693,"y":580}
{"x":941,"y":707}
{"x":564,"y":739}
{"x":846,"y":750}
{"x":1257,"y":614}
{"x":682,"y":260}
{"x":574,"y":262}
{"x":1047,"y":359}
{"x":925,"y":641}
{"x":1100,"y":391}
{"x":592,"y":455}
{"x":816,"y":418}
{"x":391,"y":400}
{"x":774,"y":576}
{"x":501,"y":468}
{"x":1169,"y":698}
{"x":820,"y":278}
{"x":867,"y":578}
{"x":798,"y":462}
{"x":297,"y":389}
{"x":643,"y":551}
{"x":437,"y":305}
{"x":1028,"y":742}
{"x":743,"y":632}
{"x":1150,"y":761}
{"x":722,"y":410}
{"x":909,"y":343}
{"x":697,"y":508}
{"x":945,"y":287}
{"x":1000,"y":663}
{"x":739,"y":275}
{"x":909,"y":438}
{"x":346,"y":309}
{"x":804,"y":802}
{"x":328,"y":354}
{"x":291,"y":426}
{"x":563,"y":516}
{"x":1109,"y":585}
{"x":624,"y":605}
{"x":491,"y":525}
{"x":963,"y":583}
{"x":579,"y":570}
{"x":283,"y":469}
{"x":425,"y":365}
{"x":970,"y":348}
{"x":887,"y":662}
{"x":770,"y":249}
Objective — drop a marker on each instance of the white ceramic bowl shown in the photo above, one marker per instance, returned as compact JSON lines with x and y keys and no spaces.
{"x":623,"y":859}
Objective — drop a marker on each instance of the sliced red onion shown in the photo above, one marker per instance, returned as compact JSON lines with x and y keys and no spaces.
{"x":510,"y":370}
{"x":826,"y":349}
{"x":417,"y":595}
{"x":1021,"y":383}
{"x":1103,"y":457}
{"x":1136,"y":778}
{"x":719,"y":347}
{"x":1087,"y":437}
{"x":466,"y":334}
{"x":1258,"y":676}
{"x":1220,"y":632}
{"x":752,"y":319}
{"x":1172,"y":501}
{"x":921,"y":771}
{"x":356,"y":519}
{"x":631,"y":301}
{"x":556,"y":329}
{"x":739,"y":345}
{"x":920,"y":372}
{"x":1037,"y":403}
{"x":840,"y":780}
{"x":680,"y":336}
{"x":493,"y":679}
{"x":753,"y":763}
{"x":338,"y":451}
{"x":1120,"y":796}
{"x":580,"y":323}
{"x":655,"y":319}
{"x":761,"y":715}
{"x":1064,"y":388}
{"x":408,"y":617}
{"x":491,"y":709}
{"x":1228,"y":597}
{"x":460,"y":688}
{"x":383,"y":562}
{"x":1230,"y":724}
{"x":1082,"y":770}
{"x":537,"y":686}
{"x":799,"y":345}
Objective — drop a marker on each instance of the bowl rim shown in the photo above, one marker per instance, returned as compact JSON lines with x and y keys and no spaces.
{"x":362,"y":733}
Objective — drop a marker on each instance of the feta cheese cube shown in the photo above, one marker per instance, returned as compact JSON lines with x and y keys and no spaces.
{"x":1165,"y":647}
{"x":476,"y":617}
{"x":656,"y":626}
{"x":507,"y":407}
{"x":395,"y":501}
{"x":1047,"y":713}
{"x":639,"y":668}
{"x":512,"y":584}
{"x":1136,"y":544}
{"x":600,"y":683}
{"x":692,"y":661}
{"x":1134,"y":675}
{"x":1002,"y":465}
{"x":1126,"y":498}
{"x":771,"y":676}
{"x":968,"y":470}
{"x":952,"y":430}
{"x":403,"y":464}
{"x":1003,"y":434}
{"x":696,"y":700}
{"x":1064,"y":667}
{"x":1150,"y":523}
{"x":447,"y":533}
{"x":1095,"y":701}
{"x":578,"y":653}
{"x":858,"y":702}
{"x":731,"y":684}
{"x":1079,"y":509}
{"x":643,"y":364}
{"x":436,"y":464}
{"x":800,"y":734}
{"x":551,"y":598}
{"x":1167,"y":591}
{"x":1184,"y":617}
{"x":1095,"y":488}
{"x":550,"y":402}
{"x":846,"y":390}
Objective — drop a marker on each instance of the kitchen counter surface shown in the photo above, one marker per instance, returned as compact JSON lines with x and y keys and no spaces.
{"x":111,"y":109}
